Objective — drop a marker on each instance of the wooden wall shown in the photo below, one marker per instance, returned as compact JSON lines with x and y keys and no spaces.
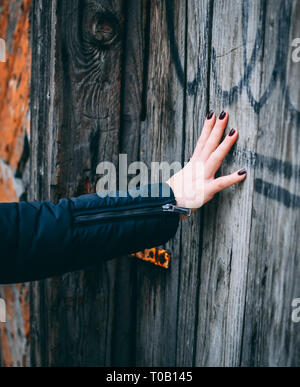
{"x":138,"y":77}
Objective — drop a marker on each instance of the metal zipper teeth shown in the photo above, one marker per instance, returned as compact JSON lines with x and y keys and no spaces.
{"x":104,"y":216}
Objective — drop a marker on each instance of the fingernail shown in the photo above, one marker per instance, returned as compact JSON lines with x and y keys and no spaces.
{"x":222,"y":115}
{"x":210,"y":115}
{"x":242,"y":172}
{"x":231,"y":133}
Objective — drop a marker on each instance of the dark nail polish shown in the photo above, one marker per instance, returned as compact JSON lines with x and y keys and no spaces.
{"x":210,"y":115}
{"x":222,"y":115}
{"x":232,"y":132}
{"x":242,"y":172}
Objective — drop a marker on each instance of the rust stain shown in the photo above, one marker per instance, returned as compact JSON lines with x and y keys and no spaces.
{"x":14,"y":122}
{"x":7,"y":187}
{"x":12,"y":349}
{"x":14,"y":84}
{"x":156,"y":256}
{"x":5,"y":347}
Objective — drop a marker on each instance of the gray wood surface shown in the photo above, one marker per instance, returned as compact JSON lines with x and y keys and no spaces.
{"x":132,"y":111}
{"x":162,"y":140}
{"x":75,"y":125}
{"x":226,"y":300}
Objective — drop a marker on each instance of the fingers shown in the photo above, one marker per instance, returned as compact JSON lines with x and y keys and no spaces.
{"x":206,"y":131}
{"x":223,"y":182}
{"x":215,"y":137}
{"x":217,"y":157}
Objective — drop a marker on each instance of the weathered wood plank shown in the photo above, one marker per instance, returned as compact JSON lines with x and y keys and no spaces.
{"x":227,"y":219}
{"x":76,"y":121}
{"x":162,"y":140}
{"x":136,"y":26}
{"x":270,"y":337}
{"x":197,"y":92}
{"x":226,"y":301}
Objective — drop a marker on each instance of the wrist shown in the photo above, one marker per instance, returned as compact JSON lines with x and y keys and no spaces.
{"x":179,"y":203}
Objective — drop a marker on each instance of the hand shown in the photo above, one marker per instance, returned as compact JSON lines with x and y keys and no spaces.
{"x":195,"y":184}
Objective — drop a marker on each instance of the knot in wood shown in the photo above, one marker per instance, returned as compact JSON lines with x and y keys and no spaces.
{"x":105,"y":29}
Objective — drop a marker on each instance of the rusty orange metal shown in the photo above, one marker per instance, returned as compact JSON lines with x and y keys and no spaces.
{"x":14,"y":123}
{"x":156,"y":256}
{"x":14,"y":80}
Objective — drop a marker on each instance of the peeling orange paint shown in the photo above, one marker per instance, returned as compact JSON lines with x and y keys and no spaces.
{"x":12,"y":355}
{"x":156,"y":256}
{"x":14,"y":85}
{"x":7,"y":186}
{"x":14,"y":123}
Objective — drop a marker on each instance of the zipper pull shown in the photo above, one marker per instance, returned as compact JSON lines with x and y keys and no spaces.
{"x":179,"y":210}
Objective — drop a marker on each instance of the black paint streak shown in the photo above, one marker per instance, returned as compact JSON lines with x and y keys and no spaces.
{"x":253,"y":160}
{"x":279,"y":194}
{"x":173,"y":43}
{"x":274,"y":166}
{"x":278,"y":73}
{"x":192,"y":87}
{"x":258,"y":161}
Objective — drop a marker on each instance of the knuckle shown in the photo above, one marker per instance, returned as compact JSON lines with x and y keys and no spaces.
{"x":221,"y":185}
{"x":209,"y":144}
{"x":216,"y":157}
{"x":200,"y":144}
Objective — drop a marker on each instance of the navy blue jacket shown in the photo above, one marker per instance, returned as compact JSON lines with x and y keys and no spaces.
{"x":41,"y":240}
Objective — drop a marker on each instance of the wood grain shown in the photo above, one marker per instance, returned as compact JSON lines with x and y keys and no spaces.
{"x":162,"y":140}
{"x":75,"y":125}
{"x":197,"y":57}
{"x":132,"y":105}
{"x":226,"y":299}
{"x":270,"y":338}
{"x":227,"y":219}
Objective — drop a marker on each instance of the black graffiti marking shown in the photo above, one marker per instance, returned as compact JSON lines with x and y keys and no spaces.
{"x":255,"y":160}
{"x":192,"y":87}
{"x":279,"y":71}
{"x":173,"y":43}
{"x":277,"y":193}
{"x":282,"y":168}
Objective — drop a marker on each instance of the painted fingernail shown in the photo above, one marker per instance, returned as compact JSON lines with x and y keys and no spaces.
{"x":242,"y":172}
{"x":232,"y":132}
{"x":210,"y":115}
{"x":222,"y":115}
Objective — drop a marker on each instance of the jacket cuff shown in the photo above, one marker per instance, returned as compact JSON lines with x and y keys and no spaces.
{"x":112,"y":236}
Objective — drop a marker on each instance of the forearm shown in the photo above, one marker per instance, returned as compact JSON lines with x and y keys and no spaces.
{"x":41,"y":240}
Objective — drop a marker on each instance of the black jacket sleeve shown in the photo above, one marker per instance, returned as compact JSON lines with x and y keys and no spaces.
{"x":41,"y":240}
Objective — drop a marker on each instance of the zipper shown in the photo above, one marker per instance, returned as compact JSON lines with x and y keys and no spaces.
{"x":119,"y":214}
{"x":179,"y":210}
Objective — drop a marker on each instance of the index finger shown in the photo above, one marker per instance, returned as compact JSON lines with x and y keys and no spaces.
{"x":206,"y":131}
